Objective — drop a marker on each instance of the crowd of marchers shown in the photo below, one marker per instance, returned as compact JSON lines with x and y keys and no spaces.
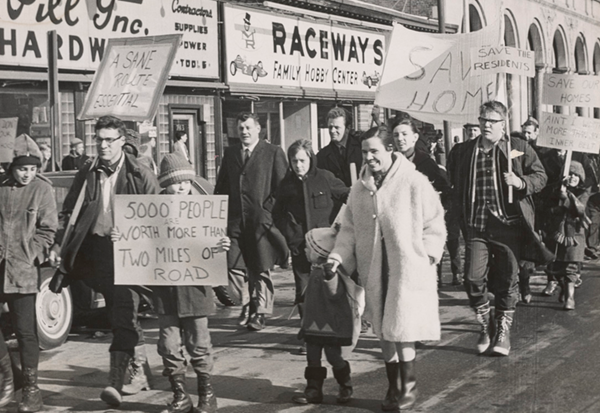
{"x":364,"y":222}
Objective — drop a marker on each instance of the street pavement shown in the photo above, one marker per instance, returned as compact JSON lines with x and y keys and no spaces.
{"x":553,"y":365}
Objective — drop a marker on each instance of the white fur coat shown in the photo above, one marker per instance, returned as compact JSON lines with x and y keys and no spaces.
{"x":407,"y":212}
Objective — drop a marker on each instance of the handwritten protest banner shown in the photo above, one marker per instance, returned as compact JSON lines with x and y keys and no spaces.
{"x":170,"y":239}
{"x":573,"y":133}
{"x":8,"y":132}
{"x":571,"y":90}
{"x":131,"y":78}
{"x":502,"y":59}
{"x":430,"y":75}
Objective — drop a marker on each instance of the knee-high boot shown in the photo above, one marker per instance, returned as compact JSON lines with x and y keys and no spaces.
{"x":7,"y":387}
{"x":139,"y":373}
{"x":408,"y":375}
{"x":119,"y":360}
{"x":342,"y":376}
{"x":390,"y":403}
{"x":207,"y":400}
{"x":32,"y":396}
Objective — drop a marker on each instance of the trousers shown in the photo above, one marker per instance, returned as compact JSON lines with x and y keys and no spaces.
{"x":22,"y":315}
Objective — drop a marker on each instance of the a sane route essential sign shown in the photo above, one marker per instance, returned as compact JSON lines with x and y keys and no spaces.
{"x":170,"y":239}
{"x":131,"y":78}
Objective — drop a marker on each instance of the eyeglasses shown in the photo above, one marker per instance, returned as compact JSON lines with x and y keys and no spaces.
{"x":492,"y":121}
{"x":108,"y":141}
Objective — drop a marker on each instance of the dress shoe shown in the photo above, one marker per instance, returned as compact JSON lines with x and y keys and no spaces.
{"x":257,"y":322}
{"x":244,"y":316}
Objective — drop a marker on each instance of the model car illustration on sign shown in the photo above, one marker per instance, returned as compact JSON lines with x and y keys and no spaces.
{"x":371,"y":80}
{"x":246,"y":68}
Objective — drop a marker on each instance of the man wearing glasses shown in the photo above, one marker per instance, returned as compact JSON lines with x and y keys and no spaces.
{"x":497,"y":230}
{"x":87,"y":253}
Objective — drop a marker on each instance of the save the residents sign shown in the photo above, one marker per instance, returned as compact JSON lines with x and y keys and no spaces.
{"x":84,"y":28}
{"x":131,"y":78}
{"x":170,"y":239}
{"x":271,"y":49}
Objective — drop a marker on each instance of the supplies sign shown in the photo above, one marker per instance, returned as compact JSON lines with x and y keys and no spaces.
{"x":8,"y":131}
{"x":571,"y":90}
{"x":131,"y":78}
{"x":572,"y":133}
{"x":502,"y":59}
{"x":170,"y":239}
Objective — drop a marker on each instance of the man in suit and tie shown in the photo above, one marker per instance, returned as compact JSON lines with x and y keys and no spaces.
{"x":250,"y":174}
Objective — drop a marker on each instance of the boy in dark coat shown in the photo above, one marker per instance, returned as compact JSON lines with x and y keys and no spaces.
{"x":566,"y":224}
{"x":331,"y":320}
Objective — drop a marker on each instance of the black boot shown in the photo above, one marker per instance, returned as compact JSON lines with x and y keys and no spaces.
{"x":119,"y":361}
{"x":7,"y":387}
{"x":342,"y":376}
{"x":182,"y":403}
{"x":390,"y":403}
{"x":207,"y":401}
{"x":32,"y":396}
{"x":139,"y":373}
{"x":408,"y":375}
{"x":315,"y":376}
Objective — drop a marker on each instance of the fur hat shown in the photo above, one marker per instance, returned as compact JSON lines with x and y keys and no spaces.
{"x":75,"y":142}
{"x":26,"y":152}
{"x":321,"y":240}
{"x":577,"y":169}
{"x":174,"y":168}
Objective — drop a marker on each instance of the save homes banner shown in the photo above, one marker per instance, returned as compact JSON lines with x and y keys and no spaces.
{"x":430,"y":76}
{"x":270,"y":49}
{"x":84,"y":27}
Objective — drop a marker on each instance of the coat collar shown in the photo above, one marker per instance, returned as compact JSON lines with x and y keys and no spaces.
{"x":400,"y":167}
{"x":260,"y":146}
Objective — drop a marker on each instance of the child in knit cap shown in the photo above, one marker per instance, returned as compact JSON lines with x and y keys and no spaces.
{"x":183,"y":311}
{"x":566,"y":225}
{"x":333,"y":306}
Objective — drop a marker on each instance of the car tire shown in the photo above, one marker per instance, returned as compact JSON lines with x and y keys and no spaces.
{"x":255,"y":74}
{"x":54,"y":313}
{"x":232,"y":68}
{"x":369,"y":82}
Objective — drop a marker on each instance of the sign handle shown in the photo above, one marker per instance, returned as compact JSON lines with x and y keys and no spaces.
{"x":567,"y":163}
{"x":509,"y":150}
{"x":353,"y":174}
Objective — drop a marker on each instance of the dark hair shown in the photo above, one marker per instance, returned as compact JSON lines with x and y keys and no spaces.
{"x":244,"y":116}
{"x":518,"y":135}
{"x":179,"y":134}
{"x":111,"y":122}
{"x":402,"y":120}
{"x":381,"y":133}
{"x":493,"y":106}
{"x":300,"y":145}
{"x":338,"y":112}
{"x":531,"y":121}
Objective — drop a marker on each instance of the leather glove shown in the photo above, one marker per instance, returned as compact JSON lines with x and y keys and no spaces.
{"x":58,"y":282}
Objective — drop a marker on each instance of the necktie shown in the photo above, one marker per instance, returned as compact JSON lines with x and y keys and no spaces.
{"x":246,"y":156}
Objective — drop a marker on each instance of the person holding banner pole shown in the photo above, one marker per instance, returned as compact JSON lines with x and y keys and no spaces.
{"x":87,"y":250}
{"x":497,"y":231}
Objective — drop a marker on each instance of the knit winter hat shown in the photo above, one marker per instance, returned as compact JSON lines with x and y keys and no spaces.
{"x":577,"y":169}
{"x":26,"y":152}
{"x":175,"y":168}
{"x":321,"y":240}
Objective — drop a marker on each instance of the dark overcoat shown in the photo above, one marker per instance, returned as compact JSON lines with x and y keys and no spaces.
{"x":527,"y":166}
{"x":251,"y":189}
{"x":307,"y":203}
{"x":329,"y":158}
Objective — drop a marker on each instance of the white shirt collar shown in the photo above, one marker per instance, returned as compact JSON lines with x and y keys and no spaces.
{"x":250,"y":147}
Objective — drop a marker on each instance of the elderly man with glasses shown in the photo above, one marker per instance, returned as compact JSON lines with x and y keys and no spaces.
{"x":498,"y":231}
{"x":87,"y":252}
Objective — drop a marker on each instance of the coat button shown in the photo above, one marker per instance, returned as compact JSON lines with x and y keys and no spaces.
{"x":372,"y":193}
{"x":374,"y":216}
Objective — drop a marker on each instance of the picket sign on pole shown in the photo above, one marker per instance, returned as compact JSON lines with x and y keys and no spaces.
{"x":568,"y":157}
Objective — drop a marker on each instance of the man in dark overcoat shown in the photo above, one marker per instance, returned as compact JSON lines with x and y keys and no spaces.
{"x":498,"y":232}
{"x":344,"y":148}
{"x":87,"y":250}
{"x":250,"y":174}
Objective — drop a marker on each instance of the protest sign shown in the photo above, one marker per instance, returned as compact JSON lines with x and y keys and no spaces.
{"x":571,"y":90}
{"x":131,"y":78}
{"x":430,"y":75}
{"x":170,"y":239}
{"x":502,"y":59}
{"x":572,"y":133}
{"x":8,"y":132}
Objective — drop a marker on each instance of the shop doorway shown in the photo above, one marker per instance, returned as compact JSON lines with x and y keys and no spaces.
{"x":188,"y":119}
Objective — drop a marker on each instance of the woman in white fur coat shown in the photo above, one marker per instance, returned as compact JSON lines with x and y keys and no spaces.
{"x":393,"y":230}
